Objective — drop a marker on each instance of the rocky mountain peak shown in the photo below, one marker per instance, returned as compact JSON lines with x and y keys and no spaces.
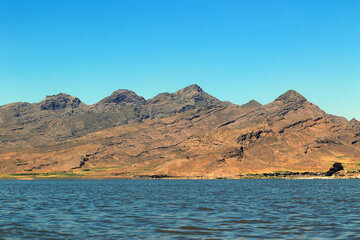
{"x":123,"y":96}
{"x":162,"y":97}
{"x":59,"y":101}
{"x":191,"y":97}
{"x":353,"y":123}
{"x":193,"y":87}
{"x":291,"y":96}
{"x":190,"y":91}
{"x":252,"y":104}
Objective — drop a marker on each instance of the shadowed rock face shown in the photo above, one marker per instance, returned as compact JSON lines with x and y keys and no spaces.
{"x":186,"y":133}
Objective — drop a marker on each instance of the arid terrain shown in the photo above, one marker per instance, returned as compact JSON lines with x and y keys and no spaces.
{"x":186,"y":134}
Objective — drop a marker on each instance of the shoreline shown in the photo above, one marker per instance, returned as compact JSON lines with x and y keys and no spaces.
{"x":175,"y":178}
{"x":104,"y":174}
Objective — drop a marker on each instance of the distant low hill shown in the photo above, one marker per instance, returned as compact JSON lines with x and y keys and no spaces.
{"x":188,"y":133}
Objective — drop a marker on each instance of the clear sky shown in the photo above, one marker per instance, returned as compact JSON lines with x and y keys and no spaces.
{"x":235,"y":50}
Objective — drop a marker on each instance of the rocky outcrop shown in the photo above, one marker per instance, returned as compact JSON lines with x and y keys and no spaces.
{"x":334,"y":169}
{"x":60,"y":101}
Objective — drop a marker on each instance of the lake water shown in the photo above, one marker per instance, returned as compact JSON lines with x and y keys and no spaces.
{"x":180,"y":209}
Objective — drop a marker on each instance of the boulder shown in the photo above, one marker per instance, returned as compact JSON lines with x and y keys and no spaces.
{"x":335,"y":168}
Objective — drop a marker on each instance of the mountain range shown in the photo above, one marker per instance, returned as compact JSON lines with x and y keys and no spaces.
{"x":188,"y":133}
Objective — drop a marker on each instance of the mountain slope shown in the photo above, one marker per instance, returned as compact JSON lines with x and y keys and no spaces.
{"x":61,"y":117}
{"x":186,"y":133}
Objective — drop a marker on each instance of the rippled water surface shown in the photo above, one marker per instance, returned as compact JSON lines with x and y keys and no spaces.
{"x":190,"y":209}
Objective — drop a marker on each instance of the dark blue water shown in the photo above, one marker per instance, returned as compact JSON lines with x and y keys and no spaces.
{"x":191,"y":209}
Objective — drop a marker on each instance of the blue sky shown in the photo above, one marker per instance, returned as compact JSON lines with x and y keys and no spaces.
{"x":235,"y":50}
